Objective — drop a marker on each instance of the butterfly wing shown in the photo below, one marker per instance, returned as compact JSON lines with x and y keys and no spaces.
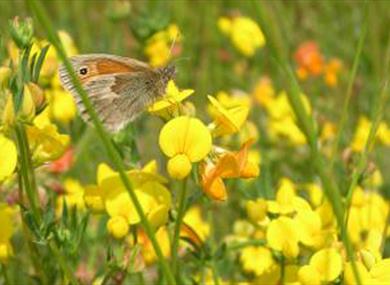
{"x":119,"y":88}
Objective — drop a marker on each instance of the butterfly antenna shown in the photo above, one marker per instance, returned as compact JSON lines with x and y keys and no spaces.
{"x":173,"y":43}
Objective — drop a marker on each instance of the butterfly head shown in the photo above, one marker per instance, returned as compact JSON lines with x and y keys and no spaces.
{"x":167,"y":73}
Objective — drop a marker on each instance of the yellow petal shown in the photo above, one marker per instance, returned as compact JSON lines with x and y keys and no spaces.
{"x":94,"y":198}
{"x":256,"y":259}
{"x":118,"y":227}
{"x":8,"y":157}
{"x":282,"y":236}
{"x":179,"y":166}
{"x":308,"y":275}
{"x":256,"y":210}
{"x":349,"y":277}
{"x":103,"y":172}
{"x":328,"y":263}
{"x":185,"y":135}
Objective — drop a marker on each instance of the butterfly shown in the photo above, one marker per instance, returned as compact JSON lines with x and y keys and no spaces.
{"x":119,"y":88}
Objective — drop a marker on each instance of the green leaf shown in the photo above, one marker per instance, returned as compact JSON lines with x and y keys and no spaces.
{"x":38,"y":66}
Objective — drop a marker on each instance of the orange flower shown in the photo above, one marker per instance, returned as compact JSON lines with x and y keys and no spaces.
{"x":229,"y":165}
{"x":64,"y":163}
{"x":309,"y":59}
{"x":332,"y":69}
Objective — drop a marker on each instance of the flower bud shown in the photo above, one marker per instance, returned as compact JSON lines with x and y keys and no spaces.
{"x":8,"y":116}
{"x":179,"y":166}
{"x":5,"y":73}
{"x":118,"y":227}
{"x":21,"y":32}
{"x":27,"y":110}
{"x":38,"y":97}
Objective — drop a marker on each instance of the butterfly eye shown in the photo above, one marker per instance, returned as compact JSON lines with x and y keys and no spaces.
{"x":83,"y":71}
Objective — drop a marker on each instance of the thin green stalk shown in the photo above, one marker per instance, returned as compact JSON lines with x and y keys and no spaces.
{"x":32,"y":249}
{"x":178,"y":223}
{"x":63,"y":264}
{"x":26,"y":171}
{"x":352,"y":76}
{"x":214,"y":271}
{"x":43,"y":18}
{"x":306,"y":123}
{"x":5,"y":275}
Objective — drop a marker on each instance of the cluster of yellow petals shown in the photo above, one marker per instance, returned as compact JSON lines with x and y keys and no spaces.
{"x":281,"y":121}
{"x":6,"y":231}
{"x":290,"y":226}
{"x":184,"y":140}
{"x":111,"y":196}
{"x":244,"y":33}
{"x":169,"y":105}
{"x":158,"y":46}
{"x":229,"y":114}
{"x":362,"y":133}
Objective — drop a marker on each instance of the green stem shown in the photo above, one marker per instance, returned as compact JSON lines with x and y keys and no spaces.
{"x":63,"y":264}
{"x":5,"y":275}
{"x":214,"y":271}
{"x":344,"y":114}
{"x":27,"y":171}
{"x":179,"y":220}
{"x":43,"y":18}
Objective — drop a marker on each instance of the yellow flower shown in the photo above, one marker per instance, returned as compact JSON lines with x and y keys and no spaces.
{"x":45,"y":142}
{"x":6,"y":231}
{"x":50,"y":65}
{"x":327,"y":263}
{"x":8,"y":157}
{"x":169,"y":104}
{"x":228,"y":121}
{"x":73,"y":196}
{"x":153,"y":196}
{"x":264,"y":92}
{"x":5,"y":251}
{"x":378,"y":274}
{"x":308,"y":275}
{"x":61,"y":105}
{"x":315,"y":194}
{"x":184,"y":140}
{"x":147,"y":249}
{"x":248,"y":132}
{"x":244,"y":33}
{"x":325,"y":210}
{"x":5,"y":73}
{"x":282,"y":121}
{"x":193,"y":218}
{"x":158,"y":46}
{"x":287,"y":201}
{"x":256,"y":260}
{"x":310,"y":229}
{"x":282,"y":235}
{"x":118,"y":227}
{"x":363,"y":130}
{"x":269,"y":277}
{"x":256,"y":210}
